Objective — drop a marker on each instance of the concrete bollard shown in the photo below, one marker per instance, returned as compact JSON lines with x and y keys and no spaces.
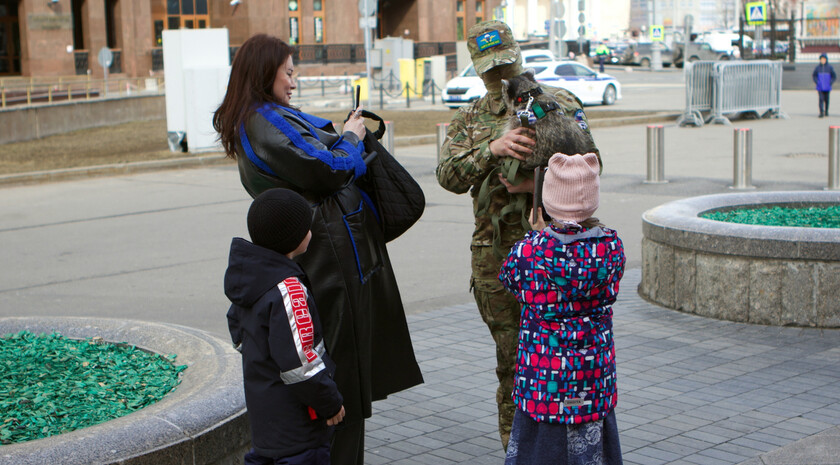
{"x":742,"y":159}
{"x":388,"y":138}
{"x":442,"y":129}
{"x":655,"y":155}
{"x":833,"y":158}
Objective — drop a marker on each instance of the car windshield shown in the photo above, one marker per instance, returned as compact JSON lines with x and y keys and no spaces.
{"x":469,"y":72}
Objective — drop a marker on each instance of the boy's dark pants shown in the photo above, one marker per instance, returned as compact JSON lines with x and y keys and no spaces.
{"x":823,"y":102}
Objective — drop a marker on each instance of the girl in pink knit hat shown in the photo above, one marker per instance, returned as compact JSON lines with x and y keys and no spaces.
{"x":566,"y":277}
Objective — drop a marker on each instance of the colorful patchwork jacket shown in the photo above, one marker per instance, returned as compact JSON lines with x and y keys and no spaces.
{"x":567,"y":282}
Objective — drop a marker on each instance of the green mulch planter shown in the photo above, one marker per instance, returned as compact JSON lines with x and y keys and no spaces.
{"x":50,"y":384}
{"x":811,"y":217}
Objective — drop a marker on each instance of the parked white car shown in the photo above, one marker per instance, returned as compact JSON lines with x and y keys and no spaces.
{"x":590,"y":87}
{"x":467,"y":87}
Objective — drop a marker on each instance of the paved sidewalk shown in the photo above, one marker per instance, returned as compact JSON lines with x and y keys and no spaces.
{"x":692,"y":390}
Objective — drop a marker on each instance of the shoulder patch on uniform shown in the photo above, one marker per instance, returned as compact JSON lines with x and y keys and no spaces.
{"x":488,"y":40}
{"x":579,"y":115}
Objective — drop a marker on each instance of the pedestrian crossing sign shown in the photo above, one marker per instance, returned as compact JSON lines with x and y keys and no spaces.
{"x":756,"y":13}
{"x":656,"y":33}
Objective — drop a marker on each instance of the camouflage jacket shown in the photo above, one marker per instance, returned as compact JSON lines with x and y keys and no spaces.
{"x":465,"y":159}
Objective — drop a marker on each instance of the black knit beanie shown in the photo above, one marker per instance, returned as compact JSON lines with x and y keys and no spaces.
{"x":279,"y":220}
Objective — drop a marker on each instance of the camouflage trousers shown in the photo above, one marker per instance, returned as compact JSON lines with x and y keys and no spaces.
{"x":500,"y":311}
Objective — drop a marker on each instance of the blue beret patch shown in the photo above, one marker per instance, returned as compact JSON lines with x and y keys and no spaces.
{"x":579,"y":115}
{"x":488,"y":40}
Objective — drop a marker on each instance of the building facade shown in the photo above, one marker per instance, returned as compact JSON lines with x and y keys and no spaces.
{"x":64,"y":37}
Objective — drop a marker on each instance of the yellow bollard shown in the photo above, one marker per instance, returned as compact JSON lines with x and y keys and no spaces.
{"x":407,"y":76}
{"x":419,"y":68}
{"x":363,"y":91}
{"x":69,"y":95}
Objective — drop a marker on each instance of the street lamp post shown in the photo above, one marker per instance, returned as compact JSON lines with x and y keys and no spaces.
{"x":656,"y":51}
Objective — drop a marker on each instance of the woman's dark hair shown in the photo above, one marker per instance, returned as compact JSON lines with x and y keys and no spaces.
{"x":251,"y":81}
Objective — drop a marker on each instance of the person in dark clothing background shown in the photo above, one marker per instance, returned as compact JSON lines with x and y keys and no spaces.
{"x":293,"y":402}
{"x":824,"y":77}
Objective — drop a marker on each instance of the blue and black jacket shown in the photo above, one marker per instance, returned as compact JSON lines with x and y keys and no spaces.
{"x":353,"y":283}
{"x":824,"y":75}
{"x":289,"y":390}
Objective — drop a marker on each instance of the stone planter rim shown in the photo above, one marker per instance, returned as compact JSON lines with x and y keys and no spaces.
{"x":677,"y":224}
{"x":184,"y":427}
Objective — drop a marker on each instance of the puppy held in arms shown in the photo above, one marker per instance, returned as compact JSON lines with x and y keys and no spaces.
{"x":556,"y":132}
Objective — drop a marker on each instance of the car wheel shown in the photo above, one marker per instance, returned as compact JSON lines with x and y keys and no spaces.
{"x":609,"y":95}
{"x":644,"y":63}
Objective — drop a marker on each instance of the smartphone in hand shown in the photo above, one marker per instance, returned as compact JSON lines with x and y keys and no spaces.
{"x":356,"y":99}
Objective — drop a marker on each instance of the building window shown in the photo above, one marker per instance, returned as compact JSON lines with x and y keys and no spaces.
{"x":9,"y":38}
{"x":112,"y":38}
{"x":178,"y":14}
{"x":460,"y":19}
{"x":319,"y":29}
{"x":294,"y":22}
{"x":479,"y":11}
{"x":318,"y":6}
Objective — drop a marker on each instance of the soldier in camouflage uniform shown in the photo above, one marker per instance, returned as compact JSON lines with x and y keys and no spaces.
{"x":475,"y":146}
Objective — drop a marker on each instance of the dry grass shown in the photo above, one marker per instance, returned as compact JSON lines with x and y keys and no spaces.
{"x":139,"y":141}
{"x":146,"y":140}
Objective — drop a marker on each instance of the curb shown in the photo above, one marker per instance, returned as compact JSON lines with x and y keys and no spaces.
{"x":117,"y":169}
{"x":658,"y":117}
{"x":112,"y":170}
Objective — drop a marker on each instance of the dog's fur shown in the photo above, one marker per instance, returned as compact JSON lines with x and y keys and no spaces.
{"x":555,"y":132}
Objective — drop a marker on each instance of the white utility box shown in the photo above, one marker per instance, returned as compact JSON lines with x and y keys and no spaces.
{"x":196,"y":66}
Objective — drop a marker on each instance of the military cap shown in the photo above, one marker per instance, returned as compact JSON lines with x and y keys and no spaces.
{"x":491,"y":44}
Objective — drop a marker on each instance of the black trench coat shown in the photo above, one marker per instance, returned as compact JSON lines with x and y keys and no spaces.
{"x":347,"y":262}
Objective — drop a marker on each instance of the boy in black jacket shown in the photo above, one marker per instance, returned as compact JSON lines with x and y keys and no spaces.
{"x":292,"y":400}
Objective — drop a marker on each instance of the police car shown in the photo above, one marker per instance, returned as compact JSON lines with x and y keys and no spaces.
{"x":590,"y":87}
{"x":468,"y":87}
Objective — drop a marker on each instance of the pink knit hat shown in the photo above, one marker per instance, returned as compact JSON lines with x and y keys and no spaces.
{"x":571,"y":190}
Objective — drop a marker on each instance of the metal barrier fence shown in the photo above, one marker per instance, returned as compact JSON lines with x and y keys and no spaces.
{"x":326,"y":84}
{"x":753,"y":87}
{"x":25,"y":91}
{"x":724,"y":87}
{"x":699,"y":92}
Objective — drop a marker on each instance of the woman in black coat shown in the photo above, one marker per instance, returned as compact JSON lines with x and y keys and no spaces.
{"x":353,"y":284}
